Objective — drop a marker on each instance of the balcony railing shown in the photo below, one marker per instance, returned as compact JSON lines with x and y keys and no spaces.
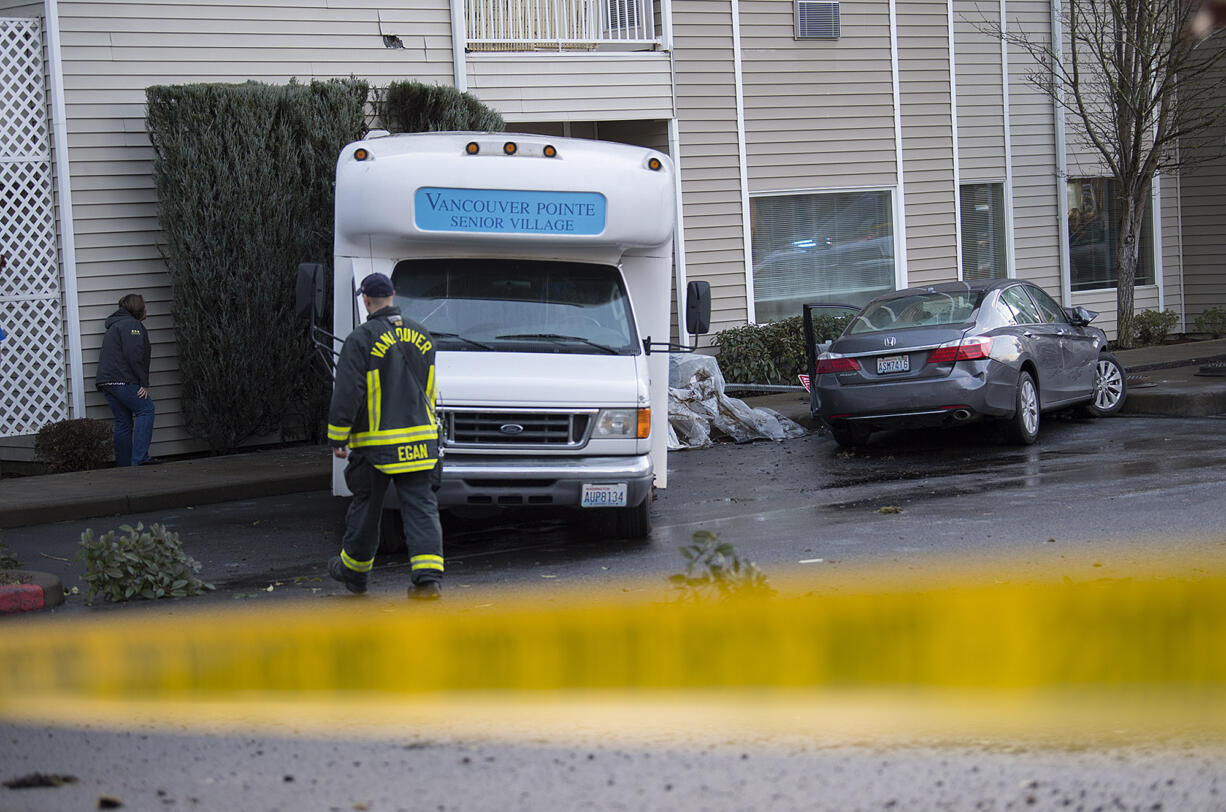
{"x":535,"y":25}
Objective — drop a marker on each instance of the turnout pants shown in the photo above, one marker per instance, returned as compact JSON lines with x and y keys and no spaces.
{"x":418,"y":506}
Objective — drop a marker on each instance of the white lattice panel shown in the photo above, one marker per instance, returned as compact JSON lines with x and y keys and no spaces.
{"x":33,"y":385}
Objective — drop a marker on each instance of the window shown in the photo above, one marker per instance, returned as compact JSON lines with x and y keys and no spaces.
{"x":836,"y":248}
{"x":1048,"y":309}
{"x":1024,"y":311}
{"x":817,"y":20}
{"x":513,"y":305}
{"x":1093,"y":212}
{"x":984,"y":249}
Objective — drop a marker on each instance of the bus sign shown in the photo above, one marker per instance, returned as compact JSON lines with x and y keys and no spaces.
{"x":508,"y":211}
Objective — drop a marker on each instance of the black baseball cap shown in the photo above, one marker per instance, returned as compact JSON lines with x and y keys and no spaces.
{"x":377,"y":286}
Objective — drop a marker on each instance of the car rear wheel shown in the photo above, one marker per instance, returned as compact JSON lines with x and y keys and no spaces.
{"x":1023,"y":428}
{"x":1110,"y":387}
{"x":848,"y":436}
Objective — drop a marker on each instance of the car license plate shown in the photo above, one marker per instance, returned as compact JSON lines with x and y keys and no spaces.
{"x":604,"y":495}
{"x":893,"y":363}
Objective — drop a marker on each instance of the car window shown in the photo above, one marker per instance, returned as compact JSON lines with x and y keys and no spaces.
{"x":995,"y":313}
{"x":1024,"y":310}
{"x":1051,"y":312}
{"x":919,"y":309}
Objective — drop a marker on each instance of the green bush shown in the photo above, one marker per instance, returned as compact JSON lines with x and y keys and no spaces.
{"x":245,"y":183}
{"x":138,"y":564}
{"x":414,"y":107}
{"x":1213,"y":321}
{"x":1152,"y":326}
{"x":713,"y":569}
{"x":8,"y":561}
{"x":74,"y":445}
{"x":772,"y":353}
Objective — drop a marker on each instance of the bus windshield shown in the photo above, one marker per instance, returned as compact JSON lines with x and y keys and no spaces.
{"x":509,"y":305}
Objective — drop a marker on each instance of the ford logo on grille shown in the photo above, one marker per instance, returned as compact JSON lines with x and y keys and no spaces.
{"x":890,"y":341}
{"x":511,"y":428}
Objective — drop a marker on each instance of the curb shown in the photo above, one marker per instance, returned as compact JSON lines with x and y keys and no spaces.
{"x":37,"y":590}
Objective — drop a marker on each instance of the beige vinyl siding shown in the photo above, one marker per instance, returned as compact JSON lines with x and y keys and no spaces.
{"x":708,"y":159}
{"x":1203,"y":198}
{"x":927,"y":141}
{"x":113,"y":51}
{"x":10,"y":8}
{"x":1172,"y":250}
{"x":809,"y":124}
{"x":981,"y":108}
{"x":573,"y":87}
{"x":1035,"y":212}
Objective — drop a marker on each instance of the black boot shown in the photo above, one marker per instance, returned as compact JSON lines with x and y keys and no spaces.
{"x":426,"y":591}
{"x":355,"y":582}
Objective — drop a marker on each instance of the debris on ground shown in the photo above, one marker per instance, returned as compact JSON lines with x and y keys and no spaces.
{"x":699,"y":410}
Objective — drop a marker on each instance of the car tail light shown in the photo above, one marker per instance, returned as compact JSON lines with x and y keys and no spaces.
{"x":828,"y":362}
{"x":968,"y":349}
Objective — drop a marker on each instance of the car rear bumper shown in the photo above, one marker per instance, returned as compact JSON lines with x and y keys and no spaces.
{"x":971,"y":390}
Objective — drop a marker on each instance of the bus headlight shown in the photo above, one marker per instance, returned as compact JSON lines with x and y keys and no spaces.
{"x":635,"y":423}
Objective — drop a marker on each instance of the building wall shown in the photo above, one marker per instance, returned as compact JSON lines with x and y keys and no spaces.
{"x":708,"y":158}
{"x":980,"y":90}
{"x":1201,"y":193}
{"x":1035,"y":212}
{"x":927,"y":140}
{"x":573,"y":87}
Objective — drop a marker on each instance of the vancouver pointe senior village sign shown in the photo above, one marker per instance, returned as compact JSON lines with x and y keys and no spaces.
{"x":509,"y":211}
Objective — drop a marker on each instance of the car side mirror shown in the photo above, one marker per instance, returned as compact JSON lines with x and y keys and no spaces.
{"x":1079,"y":316}
{"x":309,"y":293}
{"x":698,"y":307}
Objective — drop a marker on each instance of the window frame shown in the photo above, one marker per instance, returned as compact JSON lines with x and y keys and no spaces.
{"x":1005,"y":239}
{"x":1147,"y":260}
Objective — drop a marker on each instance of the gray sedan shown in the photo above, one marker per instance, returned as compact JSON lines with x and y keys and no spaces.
{"x":959,"y":352}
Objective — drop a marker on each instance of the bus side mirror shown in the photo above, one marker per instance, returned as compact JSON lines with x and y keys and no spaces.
{"x":698,"y":307}
{"x":309,"y":294}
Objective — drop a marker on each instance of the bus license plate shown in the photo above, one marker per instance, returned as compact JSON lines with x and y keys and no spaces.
{"x":893,"y":363}
{"x":604,"y":495}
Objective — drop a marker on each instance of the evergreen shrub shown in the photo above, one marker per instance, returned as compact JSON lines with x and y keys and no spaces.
{"x":245,"y":182}
{"x":1212,"y":321}
{"x":1151,"y":326}
{"x":138,"y":563}
{"x":772,"y":353}
{"x":74,"y":445}
{"x":414,"y":107}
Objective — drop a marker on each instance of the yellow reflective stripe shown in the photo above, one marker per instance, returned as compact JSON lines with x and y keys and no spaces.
{"x":427,"y":562}
{"x":374,"y":399}
{"x":405,"y":467}
{"x":393,"y":436}
{"x":430,"y":396}
{"x":356,"y":566}
{"x":338,"y":433}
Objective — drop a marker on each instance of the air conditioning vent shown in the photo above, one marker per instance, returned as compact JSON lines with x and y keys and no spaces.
{"x":817,"y":20}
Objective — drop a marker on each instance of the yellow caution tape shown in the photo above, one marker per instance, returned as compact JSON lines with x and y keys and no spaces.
{"x":1135,"y":635}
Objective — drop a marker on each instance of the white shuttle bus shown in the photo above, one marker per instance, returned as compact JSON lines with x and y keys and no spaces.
{"x":542,"y":267}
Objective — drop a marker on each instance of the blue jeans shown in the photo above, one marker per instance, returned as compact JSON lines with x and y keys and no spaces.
{"x":133,"y":423}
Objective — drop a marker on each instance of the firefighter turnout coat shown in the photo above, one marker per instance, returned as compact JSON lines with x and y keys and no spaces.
{"x":383,"y":402}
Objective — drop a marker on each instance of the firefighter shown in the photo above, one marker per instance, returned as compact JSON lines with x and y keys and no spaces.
{"x":383,"y":421}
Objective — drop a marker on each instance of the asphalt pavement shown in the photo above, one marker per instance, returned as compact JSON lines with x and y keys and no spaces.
{"x":1174,"y":380}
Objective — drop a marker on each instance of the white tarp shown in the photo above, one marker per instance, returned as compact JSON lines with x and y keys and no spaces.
{"x":698,"y":408}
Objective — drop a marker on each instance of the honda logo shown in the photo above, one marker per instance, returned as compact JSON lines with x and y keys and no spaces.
{"x":890,"y":341}
{"x":511,"y":428}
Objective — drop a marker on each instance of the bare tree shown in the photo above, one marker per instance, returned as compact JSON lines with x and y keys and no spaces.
{"x":1138,"y":80}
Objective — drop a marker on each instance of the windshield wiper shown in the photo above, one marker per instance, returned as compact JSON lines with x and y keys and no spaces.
{"x":467,"y":341}
{"x":559,"y":337}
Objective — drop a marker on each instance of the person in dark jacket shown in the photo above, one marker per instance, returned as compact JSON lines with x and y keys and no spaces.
{"x":123,"y":378}
{"x":383,"y":421}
